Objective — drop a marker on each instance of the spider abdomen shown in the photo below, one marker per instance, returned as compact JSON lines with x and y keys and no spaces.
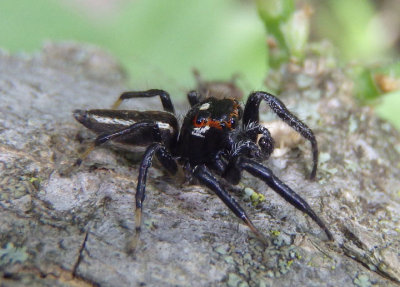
{"x":111,"y":121}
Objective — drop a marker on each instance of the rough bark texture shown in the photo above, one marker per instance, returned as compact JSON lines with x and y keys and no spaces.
{"x":72,"y":230}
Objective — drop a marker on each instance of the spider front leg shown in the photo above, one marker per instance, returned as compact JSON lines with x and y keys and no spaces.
{"x":203,"y":174}
{"x":265,"y":142}
{"x":251,"y":114}
{"x":282,"y":189}
{"x":164,"y":96}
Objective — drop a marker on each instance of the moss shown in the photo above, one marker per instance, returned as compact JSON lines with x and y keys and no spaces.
{"x":275,"y":232}
{"x":255,"y":197}
{"x":34,"y":179}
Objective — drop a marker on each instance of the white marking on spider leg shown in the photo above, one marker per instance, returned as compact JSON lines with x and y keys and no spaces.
{"x":112,"y":121}
{"x":165,"y":126}
{"x":127,"y":123}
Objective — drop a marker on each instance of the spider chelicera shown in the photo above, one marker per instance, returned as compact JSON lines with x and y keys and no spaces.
{"x":217,"y":139}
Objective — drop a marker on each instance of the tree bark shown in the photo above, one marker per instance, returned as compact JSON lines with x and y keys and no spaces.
{"x":72,"y":229}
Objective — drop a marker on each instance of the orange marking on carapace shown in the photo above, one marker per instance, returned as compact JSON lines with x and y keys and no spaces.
{"x":207,"y":122}
{"x":235,"y":112}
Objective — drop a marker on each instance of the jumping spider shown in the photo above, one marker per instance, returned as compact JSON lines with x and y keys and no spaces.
{"x":217,"y":137}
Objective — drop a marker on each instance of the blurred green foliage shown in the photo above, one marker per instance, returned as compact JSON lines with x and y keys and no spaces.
{"x":363,"y":32}
{"x":373,"y":82}
{"x":159,"y":42}
{"x":287,"y":29}
{"x":275,"y":14}
{"x":348,"y":25}
{"x":356,"y":28}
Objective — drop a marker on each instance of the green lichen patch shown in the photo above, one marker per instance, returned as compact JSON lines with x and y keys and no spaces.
{"x":12,"y":255}
{"x":362,"y":280}
{"x":254,"y":264}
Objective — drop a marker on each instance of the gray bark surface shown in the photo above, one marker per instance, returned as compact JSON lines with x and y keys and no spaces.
{"x":72,"y":229}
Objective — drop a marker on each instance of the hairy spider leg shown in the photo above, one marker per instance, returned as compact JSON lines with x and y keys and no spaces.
{"x":251,"y":114}
{"x":157,"y":147}
{"x":101,"y":139}
{"x":85,"y":154}
{"x":261,"y":149}
{"x":266,"y":142}
{"x":168,"y":162}
{"x":164,"y":96}
{"x":282,"y":189}
{"x":193,"y":98}
{"x":203,"y":174}
{"x":218,"y":164}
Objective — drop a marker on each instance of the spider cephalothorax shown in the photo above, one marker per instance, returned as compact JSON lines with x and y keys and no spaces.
{"x":217,"y":139}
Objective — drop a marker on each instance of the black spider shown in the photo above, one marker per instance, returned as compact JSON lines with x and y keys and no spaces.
{"x":217,"y":137}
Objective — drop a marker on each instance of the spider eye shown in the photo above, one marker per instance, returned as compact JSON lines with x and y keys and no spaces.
{"x":233,"y":122}
{"x":200,"y":121}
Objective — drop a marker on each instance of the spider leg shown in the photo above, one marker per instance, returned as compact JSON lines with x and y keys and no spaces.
{"x":251,"y":114}
{"x":101,"y":139}
{"x":282,"y":189}
{"x":164,"y":96}
{"x":167,"y":161}
{"x":218,"y":164}
{"x":266,"y":142}
{"x":193,"y":98}
{"x":203,"y":174}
